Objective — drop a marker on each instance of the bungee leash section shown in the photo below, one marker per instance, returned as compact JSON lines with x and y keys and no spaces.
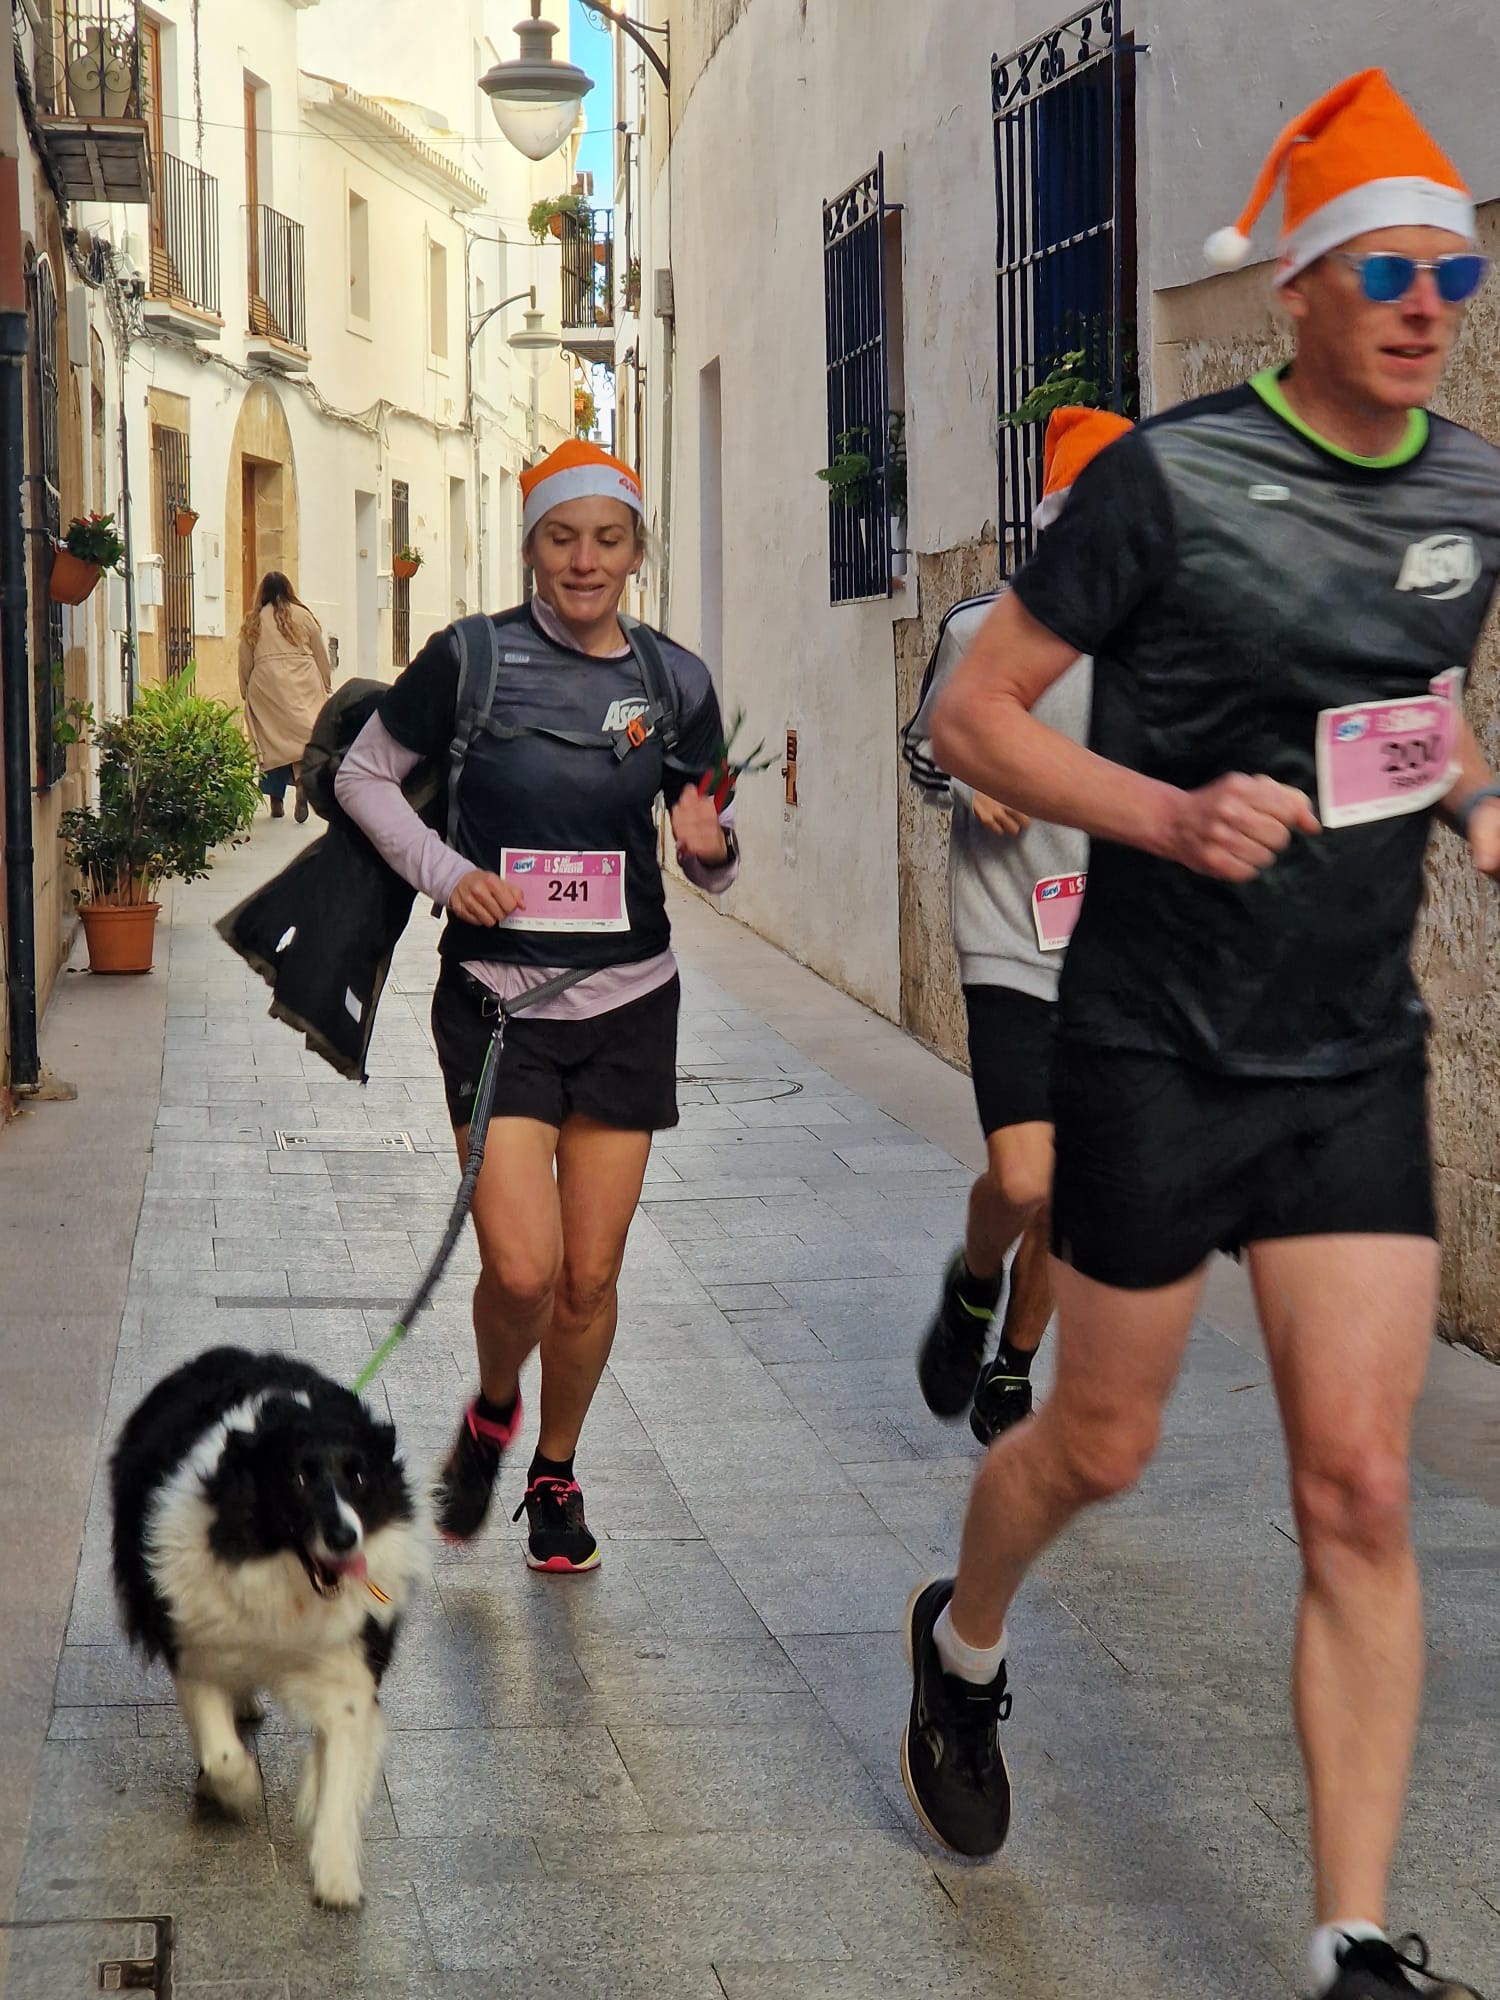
{"x":479,"y":1126}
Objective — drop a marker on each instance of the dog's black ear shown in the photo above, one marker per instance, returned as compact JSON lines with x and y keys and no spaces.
{"x":383,"y":1442}
{"x":232,"y":1490}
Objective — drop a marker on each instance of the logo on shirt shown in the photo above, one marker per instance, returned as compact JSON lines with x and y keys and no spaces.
{"x":622,"y":714}
{"x":1272,"y":493}
{"x":1443,"y":566}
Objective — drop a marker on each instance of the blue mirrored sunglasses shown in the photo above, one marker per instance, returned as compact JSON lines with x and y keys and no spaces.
{"x":1385,"y":277}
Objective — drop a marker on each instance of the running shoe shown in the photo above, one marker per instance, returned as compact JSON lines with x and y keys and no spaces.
{"x":558,"y":1537}
{"x":1371,"y":1969}
{"x":467,"y":1480}
{"x":951,"y":1758}
{"x":1000,"y":1403}
{"x":952,"y":1350}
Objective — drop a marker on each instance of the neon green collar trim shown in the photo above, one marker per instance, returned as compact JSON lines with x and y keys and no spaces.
{"x":1267,"y":385}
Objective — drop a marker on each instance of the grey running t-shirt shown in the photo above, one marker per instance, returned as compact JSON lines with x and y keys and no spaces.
{"x":1234,"y":577}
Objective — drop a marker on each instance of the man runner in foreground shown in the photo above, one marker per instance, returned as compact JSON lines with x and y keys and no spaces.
{"x":1281,"y":588}
{"x":1014,"y":891}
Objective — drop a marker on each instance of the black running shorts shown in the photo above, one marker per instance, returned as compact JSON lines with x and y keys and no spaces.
{"x":1010,"y":1056}
{"x":619,"y":1068}
{"x":1160,"y":1164}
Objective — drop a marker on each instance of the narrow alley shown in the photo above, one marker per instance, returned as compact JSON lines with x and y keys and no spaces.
{"x":678,"y":1777}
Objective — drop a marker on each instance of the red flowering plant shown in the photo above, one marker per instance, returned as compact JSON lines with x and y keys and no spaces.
{"x":93,"y":538}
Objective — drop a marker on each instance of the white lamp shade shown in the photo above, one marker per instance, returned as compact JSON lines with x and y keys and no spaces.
{"x":536,"y":126}
{"x":533,"y":338}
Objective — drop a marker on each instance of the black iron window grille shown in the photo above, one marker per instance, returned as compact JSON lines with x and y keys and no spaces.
{"x":1064,"y":111}
{"x":278,"y":287}
{"x":400,"y":585}
{"x":854,"y":304}
{"x":184,"y":234}
{"x":174,"y":497}
{"x":48,"y":683}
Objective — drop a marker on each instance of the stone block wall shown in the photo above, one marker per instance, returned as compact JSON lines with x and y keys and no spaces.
{"x":931,"y":1003}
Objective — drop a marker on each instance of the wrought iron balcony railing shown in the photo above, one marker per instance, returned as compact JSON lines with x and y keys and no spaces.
{"x":185,"y":235}
{"x":278,"y":287}
{"x":588,"y":283}
{"x":91,"y":95}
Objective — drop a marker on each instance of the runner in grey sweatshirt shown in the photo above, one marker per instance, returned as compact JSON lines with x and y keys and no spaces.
{"x":1015,"y":888}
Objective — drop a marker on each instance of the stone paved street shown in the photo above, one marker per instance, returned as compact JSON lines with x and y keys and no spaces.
{"x":677,"y":1778}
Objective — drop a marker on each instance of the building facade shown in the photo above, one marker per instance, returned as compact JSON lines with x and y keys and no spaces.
{"x":872,"y":241}
{"x":267,"y":260}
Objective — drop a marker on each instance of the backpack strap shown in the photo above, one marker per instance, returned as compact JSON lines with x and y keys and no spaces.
{"x":477,"y":639}
{"x":663,"y":695}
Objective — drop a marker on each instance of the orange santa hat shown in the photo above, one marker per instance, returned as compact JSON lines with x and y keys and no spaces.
{"x":577,"y":470}
{"x":1356,"y":160}
{"x":1074,"y":437}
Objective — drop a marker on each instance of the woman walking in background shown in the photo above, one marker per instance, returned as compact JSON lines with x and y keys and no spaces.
{"x":284,"y":681}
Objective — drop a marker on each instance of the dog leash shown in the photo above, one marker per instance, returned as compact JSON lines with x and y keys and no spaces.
{"x":479,"y":1126}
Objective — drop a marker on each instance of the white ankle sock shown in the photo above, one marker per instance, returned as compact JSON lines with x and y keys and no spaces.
{"x":1322,"y":1953}
{"x":978,"y":1664}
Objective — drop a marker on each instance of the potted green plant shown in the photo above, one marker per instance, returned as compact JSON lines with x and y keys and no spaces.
{"x":406,"y":562}
{"x":585,"y":411}
{"x":185,"y":519}
{"x":90,"y":547}
{"x":632,"y":285}
{"x":848,"y":475}
{"x":546,"y":217}
{"x":177,"y":778}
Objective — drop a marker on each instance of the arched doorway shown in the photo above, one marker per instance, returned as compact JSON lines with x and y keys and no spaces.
{"x":260,"y":508}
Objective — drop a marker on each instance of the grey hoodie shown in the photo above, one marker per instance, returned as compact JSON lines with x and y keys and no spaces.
{"x":991,"y":878}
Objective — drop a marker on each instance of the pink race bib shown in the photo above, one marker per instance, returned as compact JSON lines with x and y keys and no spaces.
{"x":1055,"y":904}
{"x":1378,"y":759}
{"x":566,"y":891}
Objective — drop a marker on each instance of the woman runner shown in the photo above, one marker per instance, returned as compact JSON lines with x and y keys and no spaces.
{"x":556,"y":869}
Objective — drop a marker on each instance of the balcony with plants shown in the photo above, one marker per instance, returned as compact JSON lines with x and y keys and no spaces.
{"x":90,"y":100}
{"x":585,"y":236}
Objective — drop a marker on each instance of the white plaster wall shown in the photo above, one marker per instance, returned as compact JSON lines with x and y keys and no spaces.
{"x":375,"y":404}
{"x":789,"y":112}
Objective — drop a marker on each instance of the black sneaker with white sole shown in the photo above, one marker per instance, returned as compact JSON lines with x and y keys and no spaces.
{"x":951,"y":1758}
{"x":952,"y":1350}
{"x":1001,"y":1402}
{"x":1372,"y":1969}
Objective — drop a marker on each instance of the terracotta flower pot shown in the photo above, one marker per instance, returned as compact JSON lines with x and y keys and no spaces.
{"x":121,"y":936}
{"x":187,"y":520}
{"x":73,"y":581}
{"x":555,"y":223}
{"x":404,"y":567}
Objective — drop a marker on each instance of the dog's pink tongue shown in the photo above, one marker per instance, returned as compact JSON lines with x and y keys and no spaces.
{"x":354,"y":1566}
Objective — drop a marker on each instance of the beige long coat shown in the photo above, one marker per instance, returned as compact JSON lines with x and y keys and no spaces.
{"x":283,"y":684}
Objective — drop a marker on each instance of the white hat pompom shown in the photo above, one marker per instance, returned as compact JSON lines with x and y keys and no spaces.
{"x":1227,"y":249}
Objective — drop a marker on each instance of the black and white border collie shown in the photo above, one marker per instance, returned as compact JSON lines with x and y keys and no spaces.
{"x":266,"y":1539}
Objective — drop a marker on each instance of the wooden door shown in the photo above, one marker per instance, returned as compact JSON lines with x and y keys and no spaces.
{"x":252,"y":190}
{"x":249,"y":539}
{"x":151,"y":105}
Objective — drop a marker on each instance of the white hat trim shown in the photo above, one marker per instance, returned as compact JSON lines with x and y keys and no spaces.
{"x":1047,"y":509}
{"x":579,"y":482}
{"x":1411,"y":202}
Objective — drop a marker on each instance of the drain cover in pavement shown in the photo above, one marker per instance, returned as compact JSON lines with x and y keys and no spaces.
{"x":66,"y":1958}
{"x":740,"y":1089}
{"x":346,"y":1142}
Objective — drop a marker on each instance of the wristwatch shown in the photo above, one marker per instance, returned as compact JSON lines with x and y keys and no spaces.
{"x":1464,"y":811}
{"x":731,"y":847}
